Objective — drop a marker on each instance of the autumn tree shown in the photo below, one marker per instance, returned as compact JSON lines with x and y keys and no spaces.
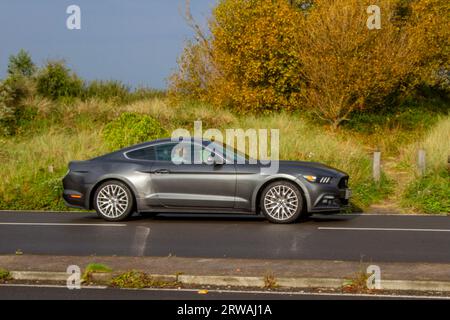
{"x":349,"y":67}
{"x":313,"y":55}
{"x":248,"y":62}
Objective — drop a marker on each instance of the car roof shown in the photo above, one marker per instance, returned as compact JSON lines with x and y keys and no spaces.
{"x":120,"y":152}
{"x":158,"y":141}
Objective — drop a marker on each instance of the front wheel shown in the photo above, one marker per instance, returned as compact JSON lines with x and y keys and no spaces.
{"x":282,"y":202}
{"x":113,"y":201}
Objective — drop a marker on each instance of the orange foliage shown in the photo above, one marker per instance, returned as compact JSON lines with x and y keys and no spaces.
{"x":263,"y":56}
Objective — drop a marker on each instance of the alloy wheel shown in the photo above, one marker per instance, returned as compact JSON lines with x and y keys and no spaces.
{"x":281,"y":202}
{"x":112,"y":201}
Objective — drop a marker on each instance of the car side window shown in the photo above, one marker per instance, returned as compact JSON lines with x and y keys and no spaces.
{"x":164,"y":151}
{"x":182,"y":153}
{"x":142,"y":154}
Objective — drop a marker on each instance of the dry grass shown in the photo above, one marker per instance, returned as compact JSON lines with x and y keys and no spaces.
{"x":435,"y":142}
{"x":429,"y":193}
{"x":32,"y":169}
{"x":65,"y":132}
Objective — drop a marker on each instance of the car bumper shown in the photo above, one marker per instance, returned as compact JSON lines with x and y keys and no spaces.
{"x":76,"y":192}
{"x":332,"y":201}
{"x":74,"y":199}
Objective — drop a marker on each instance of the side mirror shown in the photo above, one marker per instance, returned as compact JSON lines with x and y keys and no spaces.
{"x":211,"y":160}
{"x":214,"y":159}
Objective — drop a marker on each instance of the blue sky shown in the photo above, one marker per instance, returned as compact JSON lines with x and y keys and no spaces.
{"x":135,"y":41}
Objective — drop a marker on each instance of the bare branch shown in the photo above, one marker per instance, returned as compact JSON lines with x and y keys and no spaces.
{"x":193,"y":24}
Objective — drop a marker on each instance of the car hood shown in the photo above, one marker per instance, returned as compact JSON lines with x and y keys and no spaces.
{"x":306,"y":167}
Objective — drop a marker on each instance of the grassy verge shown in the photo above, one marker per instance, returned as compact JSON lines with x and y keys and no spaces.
{"x":36,"y":158}
{"x":137,"y":280}
{"x":94,"y":268}
{"x":429,"y":193}
{"x":5,"y":275}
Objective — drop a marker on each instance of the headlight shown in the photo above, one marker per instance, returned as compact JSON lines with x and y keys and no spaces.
{"x":323,"y":180}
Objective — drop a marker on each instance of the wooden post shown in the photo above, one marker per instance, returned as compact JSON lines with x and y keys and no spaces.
{"x":377,"y":166}
{"x":421,"y":162}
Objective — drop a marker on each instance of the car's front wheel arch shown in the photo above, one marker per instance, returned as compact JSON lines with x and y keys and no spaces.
{"x":257,"y":198}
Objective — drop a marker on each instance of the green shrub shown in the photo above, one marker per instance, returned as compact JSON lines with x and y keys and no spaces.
{"x":107,"y":90}
{"x":131,"y":128}
{"x":7,"y":112}
{"x":429,"y":194}
{"x":146,"y":94}
{"x":117,"y":92}
{"x":94,"y":268}
{"x":138,"y":280}
{"x":5,"y":275}
{"x":132,"y":279}
{"x":21,"y":64}
{"x":22,"y":194}
{"x":57,"y":81}
{"x":367,"y":191}
{"x":13,"y":91}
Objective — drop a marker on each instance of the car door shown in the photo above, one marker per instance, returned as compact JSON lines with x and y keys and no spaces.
{"x":190,"y":185}
{"x":248,"y":178}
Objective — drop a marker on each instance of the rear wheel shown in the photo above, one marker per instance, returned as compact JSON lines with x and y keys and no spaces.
{"x":282,"y":202}
{"x":113,"y":201}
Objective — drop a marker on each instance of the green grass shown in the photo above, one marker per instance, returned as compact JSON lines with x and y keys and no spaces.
{"x":97,"y":267}
{"x":5,"y":275}
{"x":94,"y":268}
{"x":58,"y":132}
{"x":391,"y":128}
{"x":27,"y":181}
{"x":138,"y":280}
{"x":430,"y":194}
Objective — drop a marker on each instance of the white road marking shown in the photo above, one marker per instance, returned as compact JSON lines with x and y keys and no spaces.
{"x":62,"y":224}
{"x":53,"y":286}
{"x":45,"y":211}
{"x":324,"y":294}
{"x":383,"y":229}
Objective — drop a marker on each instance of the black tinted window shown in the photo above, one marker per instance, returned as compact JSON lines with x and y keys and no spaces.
{"x":164,"y":151}
{"x":142,"y":154}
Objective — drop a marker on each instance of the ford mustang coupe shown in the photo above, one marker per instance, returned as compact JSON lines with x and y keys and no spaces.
{"x":162,"y":177}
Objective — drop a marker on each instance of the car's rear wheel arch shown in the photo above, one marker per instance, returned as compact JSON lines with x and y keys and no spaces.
{"x":265,"y":184}
{"x":99,"y":183}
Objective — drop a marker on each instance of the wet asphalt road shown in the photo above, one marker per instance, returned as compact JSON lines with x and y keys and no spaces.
{"x":383,"y":238}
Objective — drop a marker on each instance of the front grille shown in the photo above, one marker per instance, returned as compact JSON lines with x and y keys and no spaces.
{"x":343,"y":183}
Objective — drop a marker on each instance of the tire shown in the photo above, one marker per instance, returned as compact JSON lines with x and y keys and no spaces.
{"x":282,"y":202}
{"x":113,"y":201}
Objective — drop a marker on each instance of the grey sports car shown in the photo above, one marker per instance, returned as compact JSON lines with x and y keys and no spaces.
{"x":158,"y":177}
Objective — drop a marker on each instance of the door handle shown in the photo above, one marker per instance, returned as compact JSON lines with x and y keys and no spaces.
{"x":161,"y":171}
